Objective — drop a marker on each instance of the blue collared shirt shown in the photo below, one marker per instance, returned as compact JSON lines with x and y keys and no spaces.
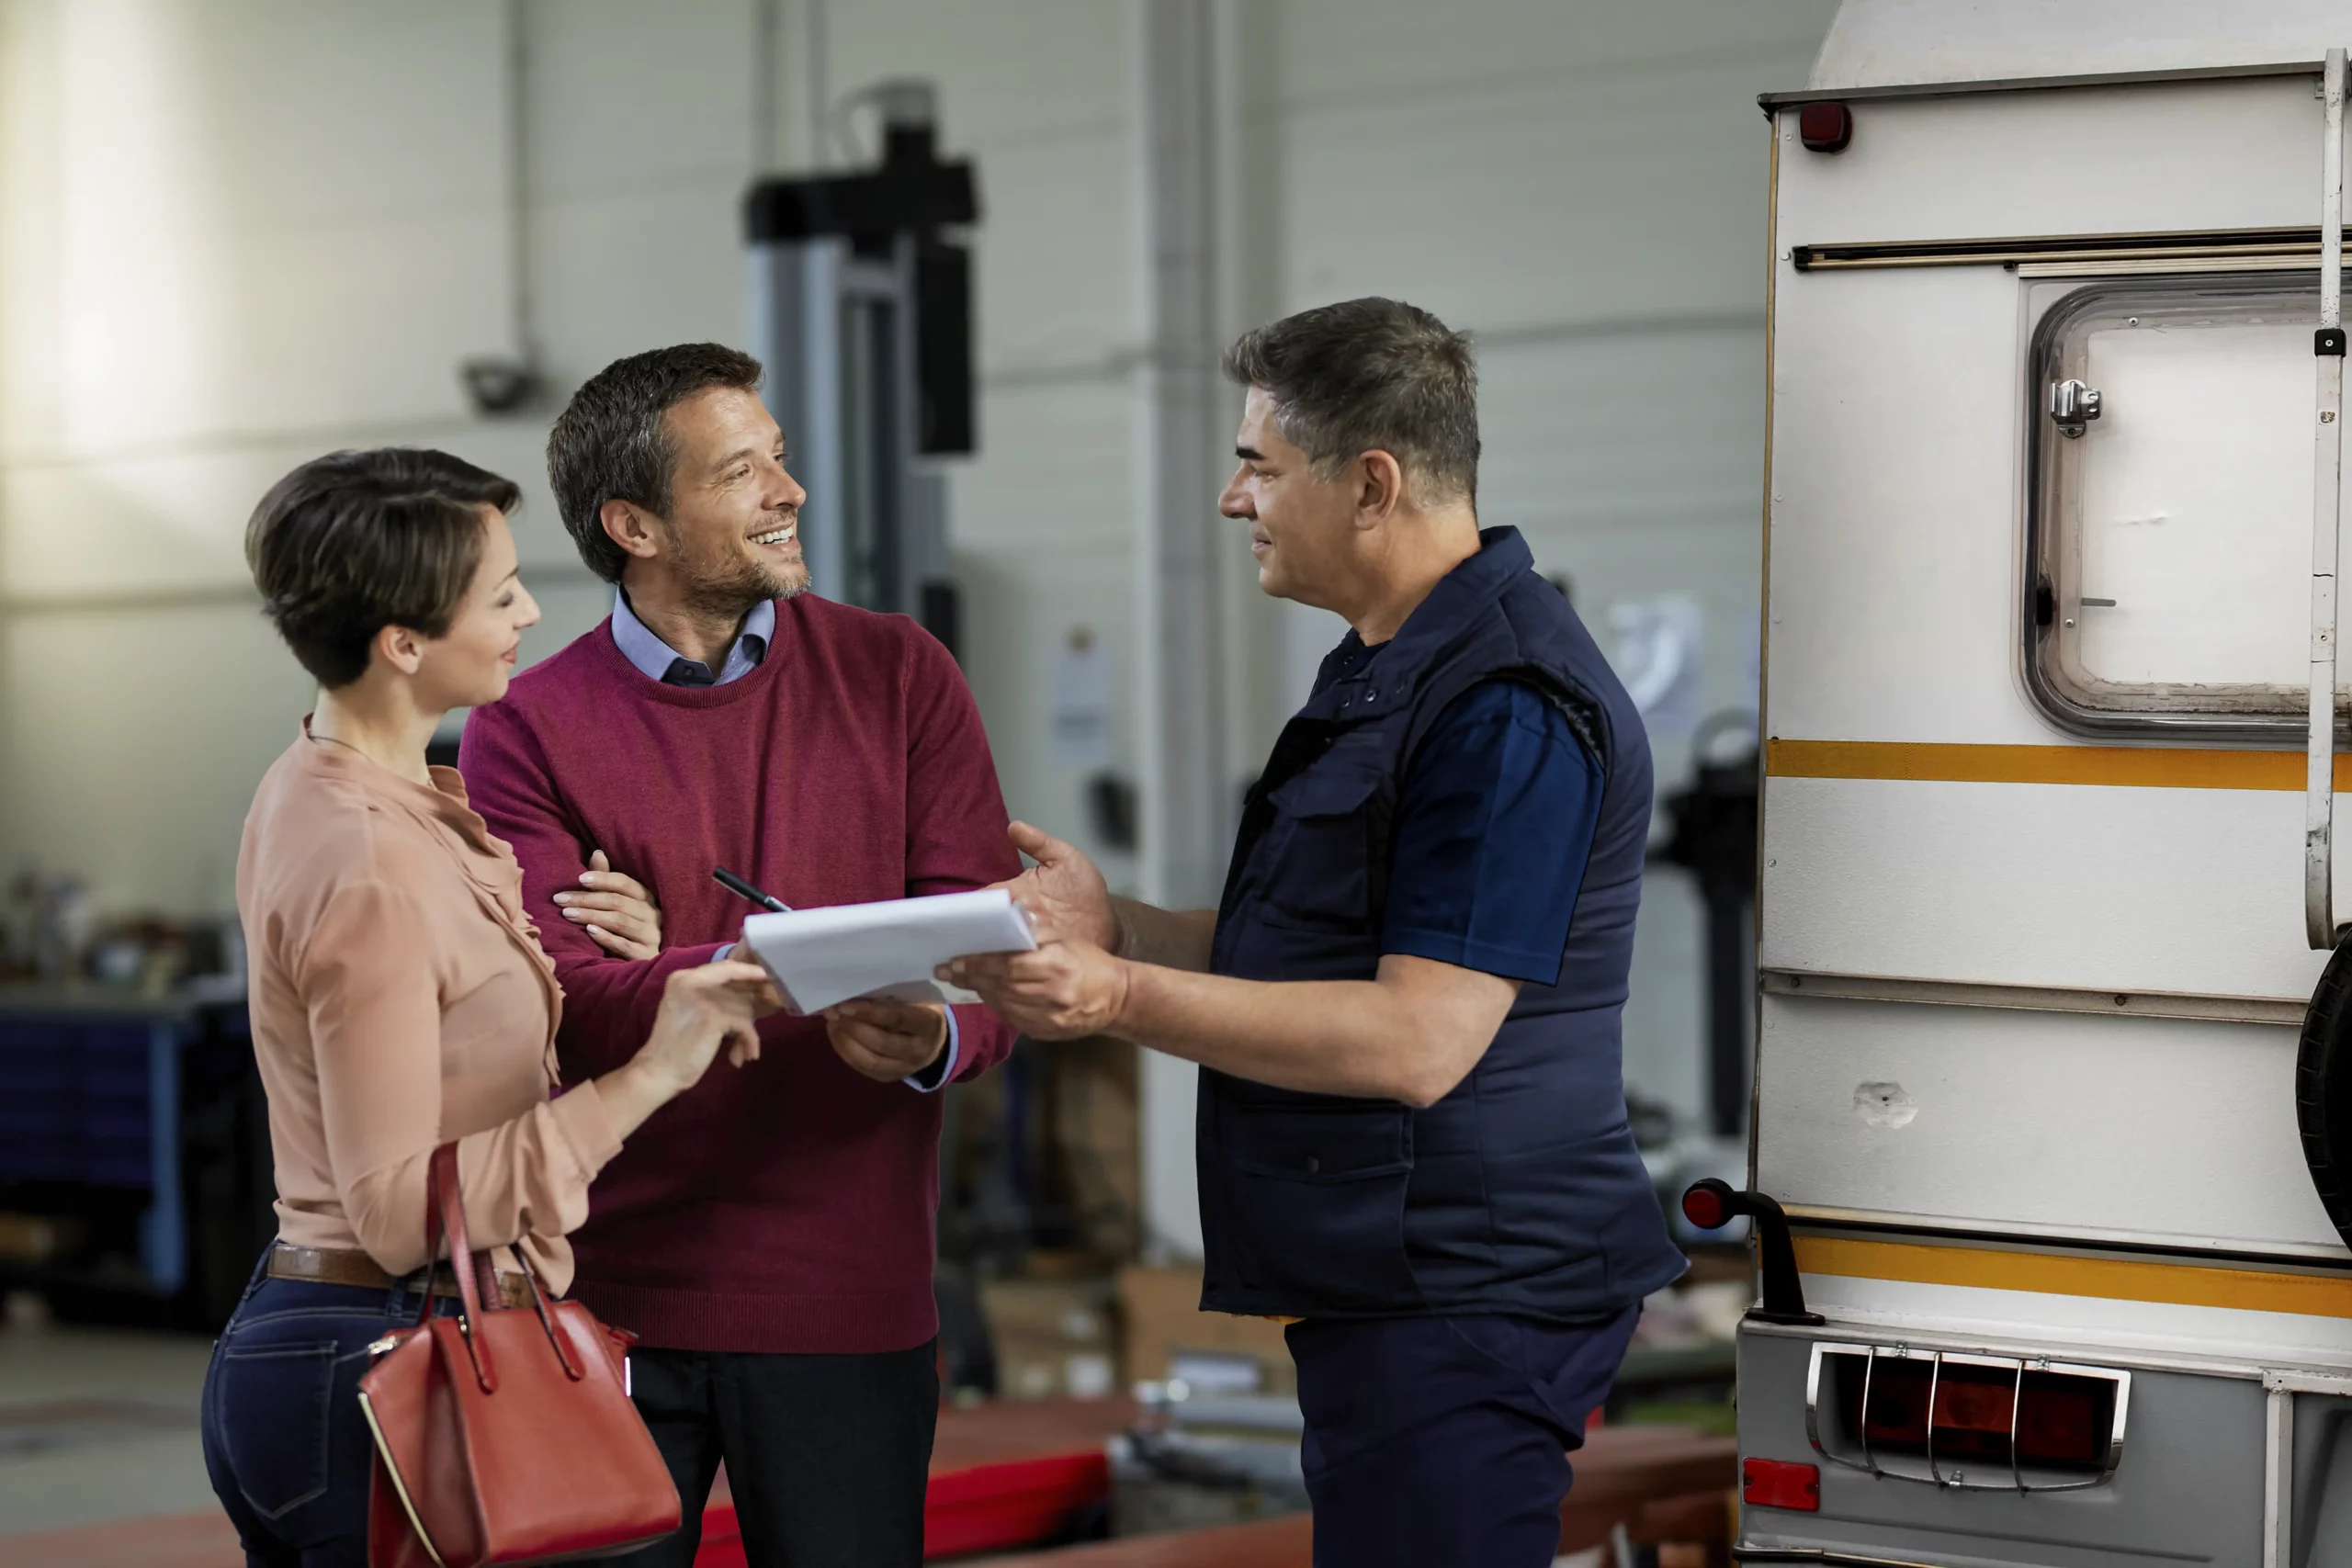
{"x":657,"y":661}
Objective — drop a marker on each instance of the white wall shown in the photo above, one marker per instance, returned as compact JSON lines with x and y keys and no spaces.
{"x":234,"y":237}
{"x":1584,"y":187}
{"x":234,"y":233}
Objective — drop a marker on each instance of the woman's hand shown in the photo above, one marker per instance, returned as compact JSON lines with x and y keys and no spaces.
{"x":702,"y":1010}
{"x":616,"y":909}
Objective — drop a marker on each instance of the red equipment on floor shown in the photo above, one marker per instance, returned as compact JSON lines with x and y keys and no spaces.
{"x":1662,"y":1484}
{"x":1004,"y":1476}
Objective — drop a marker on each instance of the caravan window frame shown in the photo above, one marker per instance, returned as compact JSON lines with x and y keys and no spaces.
{"x":2251,"y":716}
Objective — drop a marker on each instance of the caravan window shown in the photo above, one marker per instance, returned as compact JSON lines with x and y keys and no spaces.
{"x":2169,"y":521}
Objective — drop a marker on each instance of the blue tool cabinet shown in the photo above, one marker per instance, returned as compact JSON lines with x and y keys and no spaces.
{"x":96,"y":1101}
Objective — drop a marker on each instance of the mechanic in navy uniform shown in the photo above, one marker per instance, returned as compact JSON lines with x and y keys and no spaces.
{"x":1412,"y":1135}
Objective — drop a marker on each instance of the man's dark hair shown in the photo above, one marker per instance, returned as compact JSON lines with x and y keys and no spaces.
{"x":612,"y":443}
{"x":1370,"y":374}
{"x":354,"y":542}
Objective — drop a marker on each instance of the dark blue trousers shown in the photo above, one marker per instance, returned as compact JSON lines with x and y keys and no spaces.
{"x":1442,"y":1442}
{"x":286,"y":1447}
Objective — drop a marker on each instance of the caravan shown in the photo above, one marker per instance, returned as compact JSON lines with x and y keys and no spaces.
{"x":2053,"y":1073}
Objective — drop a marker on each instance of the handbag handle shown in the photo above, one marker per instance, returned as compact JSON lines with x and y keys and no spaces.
{"x":547,"y":1318}
{"x":445,"y":1213}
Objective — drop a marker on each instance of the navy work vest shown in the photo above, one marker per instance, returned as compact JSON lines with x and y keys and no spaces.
{"x":1521,"y":1191}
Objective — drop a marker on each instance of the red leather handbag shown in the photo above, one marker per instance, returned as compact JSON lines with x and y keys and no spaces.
{"x":505,"y":1436}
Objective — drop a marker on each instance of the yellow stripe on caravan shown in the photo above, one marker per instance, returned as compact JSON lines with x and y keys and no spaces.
{"x":2058,"y":1274}
{"x":2141,"y":767}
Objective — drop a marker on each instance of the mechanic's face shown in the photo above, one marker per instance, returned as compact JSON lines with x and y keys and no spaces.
{"x":1302,"y":525}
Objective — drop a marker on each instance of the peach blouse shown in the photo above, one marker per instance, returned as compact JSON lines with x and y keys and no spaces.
{"x":398,"y":999}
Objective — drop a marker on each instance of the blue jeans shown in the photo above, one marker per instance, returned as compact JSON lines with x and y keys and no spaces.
{"x":1442,"y":1442}
{"x":285,"y":1444}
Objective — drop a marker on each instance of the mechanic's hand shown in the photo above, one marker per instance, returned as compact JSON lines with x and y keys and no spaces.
{"x":887,"y":1040}
{"x":617,"y":910}
{"x":1064,"y":991}
{"x":1063,"y":892}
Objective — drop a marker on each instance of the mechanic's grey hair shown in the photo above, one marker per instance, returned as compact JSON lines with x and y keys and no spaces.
{"x":1368,"y":375}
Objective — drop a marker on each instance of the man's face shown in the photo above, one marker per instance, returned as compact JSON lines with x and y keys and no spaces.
{"x":732,"y":536}
{"x":1302,"y":526}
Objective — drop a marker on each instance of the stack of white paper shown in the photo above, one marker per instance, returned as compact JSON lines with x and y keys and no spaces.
{"x":885,"y":950}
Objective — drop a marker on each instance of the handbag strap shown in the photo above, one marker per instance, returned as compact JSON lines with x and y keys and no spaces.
{"x":547,"y":1318}
{"x":444,"y":1214}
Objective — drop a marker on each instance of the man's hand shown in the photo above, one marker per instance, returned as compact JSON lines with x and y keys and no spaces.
{"x":771,"y":998}
{"x":1063,"y":892}
{"x":1064,"y":991}
{"x":619,"y":911}
{"x":887,"y":1040}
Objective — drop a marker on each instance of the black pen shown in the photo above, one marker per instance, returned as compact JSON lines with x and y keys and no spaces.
{"x":736,"y":885}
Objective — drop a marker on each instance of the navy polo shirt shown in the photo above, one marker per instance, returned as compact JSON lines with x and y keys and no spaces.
{"x":1494,"y":826}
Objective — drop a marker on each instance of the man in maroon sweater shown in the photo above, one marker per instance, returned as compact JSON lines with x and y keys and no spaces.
{"x":770,"y":1237}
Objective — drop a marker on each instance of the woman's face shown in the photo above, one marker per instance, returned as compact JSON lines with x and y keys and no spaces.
{"x":470,"y":665}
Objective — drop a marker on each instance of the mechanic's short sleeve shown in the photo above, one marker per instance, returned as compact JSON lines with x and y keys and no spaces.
{"x":1494,"y":826}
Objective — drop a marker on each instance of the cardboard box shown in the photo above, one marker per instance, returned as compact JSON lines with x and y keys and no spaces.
{"x":1090,"y":1139}
{"x":1054,"y":1339}
{"x":37,"y":1238}
{"x":1081,"y":1172}
{"x":1167,"y":1333}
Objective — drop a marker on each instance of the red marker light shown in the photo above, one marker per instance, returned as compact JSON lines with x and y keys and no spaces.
{"x":1825,"y":127}
{"x":1707,"y":1204}
{"x":1778,"y":1483}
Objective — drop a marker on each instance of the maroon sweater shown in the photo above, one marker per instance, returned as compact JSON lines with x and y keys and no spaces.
{"x":789,"y":1205}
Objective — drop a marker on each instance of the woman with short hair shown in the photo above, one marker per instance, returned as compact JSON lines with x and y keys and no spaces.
{"x":399,"y":995}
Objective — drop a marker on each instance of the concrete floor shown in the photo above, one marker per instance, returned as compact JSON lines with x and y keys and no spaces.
{"x":96,"y":1425}
{"x":100,"y":1424}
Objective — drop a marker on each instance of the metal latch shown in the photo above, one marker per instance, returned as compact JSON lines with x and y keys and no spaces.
{"x":2074,"y":406}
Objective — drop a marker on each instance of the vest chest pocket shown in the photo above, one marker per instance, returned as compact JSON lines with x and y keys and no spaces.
{"x":1318,"y":853}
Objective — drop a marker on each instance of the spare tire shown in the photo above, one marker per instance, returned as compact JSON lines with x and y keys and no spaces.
{"x":2323,"y":1088}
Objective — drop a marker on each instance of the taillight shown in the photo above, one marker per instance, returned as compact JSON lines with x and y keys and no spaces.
{"x":1778,"y":1483}
{"x":2061,"y":1420}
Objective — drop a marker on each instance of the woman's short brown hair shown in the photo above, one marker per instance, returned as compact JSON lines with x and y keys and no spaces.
{"x":354,"y":542}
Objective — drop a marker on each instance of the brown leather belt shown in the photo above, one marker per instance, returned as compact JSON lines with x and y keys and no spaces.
{"x":349,"y":1266}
